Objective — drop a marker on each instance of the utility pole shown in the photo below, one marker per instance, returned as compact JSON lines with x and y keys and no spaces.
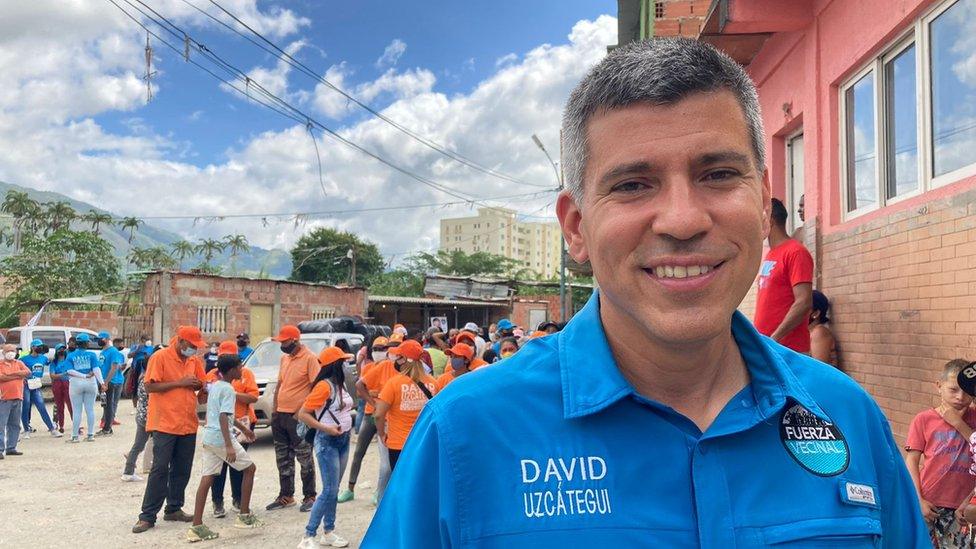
{"x":351,"y":255}
{"x":562,"y":240}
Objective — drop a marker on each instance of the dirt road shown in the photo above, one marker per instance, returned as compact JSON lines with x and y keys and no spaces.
{"x":59,"y":494}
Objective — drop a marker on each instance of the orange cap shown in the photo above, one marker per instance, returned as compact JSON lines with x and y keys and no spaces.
{"x":408,"y":349}
{"x":466,"y":335}
{"x":396,"y":338}
{"x":381,"y":342}
{"x":333,"y":354}
{"x":288,"y":332}
{"x":192,"y":335}
{"x":461,"y":350}
{"x":228,"y":347}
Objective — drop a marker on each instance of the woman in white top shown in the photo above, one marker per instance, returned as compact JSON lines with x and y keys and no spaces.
{"x":328,"y":411}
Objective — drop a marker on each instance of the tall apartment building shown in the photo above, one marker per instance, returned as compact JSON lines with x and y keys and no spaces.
{"x":498,"y":231}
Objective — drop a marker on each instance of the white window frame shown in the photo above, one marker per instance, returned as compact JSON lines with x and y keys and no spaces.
{"x":919,"y":35}
{"x":212,"y":319}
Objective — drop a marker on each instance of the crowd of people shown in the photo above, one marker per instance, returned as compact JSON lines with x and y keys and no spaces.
{"x":315,"y":417}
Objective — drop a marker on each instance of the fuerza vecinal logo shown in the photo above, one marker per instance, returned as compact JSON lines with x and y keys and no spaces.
{"x":816,"y":444}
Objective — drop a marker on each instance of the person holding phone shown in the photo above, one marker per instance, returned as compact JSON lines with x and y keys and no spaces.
{"x":328,"y":410}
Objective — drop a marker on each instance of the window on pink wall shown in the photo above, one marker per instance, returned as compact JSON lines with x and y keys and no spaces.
{"x":908,"y":116}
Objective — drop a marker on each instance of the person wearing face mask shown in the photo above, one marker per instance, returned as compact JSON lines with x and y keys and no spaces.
{"x":244,"y":349}
{"x":210,"y":359}
{"x":328,"y":410}
{"x":402,"y":398}
{"x":33,"y":397}
{"x":466,"y":338}
{"x":368,"y":387}
{"x":505,"y":328}
{"x":298,"y":370}
{"x":112,"y":362}
{"x":12,"y":376}
{"x":85,"y":381}
{"x":460,"y":357}
{"x":378,"y":360}
{"x":173,"y":377}
{"x":508,"y":347}
{"x":59,"y":385}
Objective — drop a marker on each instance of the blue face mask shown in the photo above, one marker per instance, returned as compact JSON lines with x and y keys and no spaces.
{"x":458,"y":363}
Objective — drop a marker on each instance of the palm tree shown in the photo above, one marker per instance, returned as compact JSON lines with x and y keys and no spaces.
{"x":131,"y":224}
{"x":21,"y":206}
{"x":209,"y":247}
{"x":154,"y":258}
{"x":97,"y":219}
{"x":182,"y":250}
{"x":58,"y":215}
{"x":238,"y":244}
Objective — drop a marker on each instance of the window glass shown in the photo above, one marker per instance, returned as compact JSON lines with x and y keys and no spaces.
{"x":862,"y":184}
{"x":901,"y":118}
{"x":953,"y":53}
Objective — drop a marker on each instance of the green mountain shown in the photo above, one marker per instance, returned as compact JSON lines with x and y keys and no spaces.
{"x":258,"y":261}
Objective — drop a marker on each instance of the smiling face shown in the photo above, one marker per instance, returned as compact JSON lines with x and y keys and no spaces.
{"x":674,"y":214}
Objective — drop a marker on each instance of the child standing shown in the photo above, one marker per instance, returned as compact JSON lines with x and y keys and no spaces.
{"x":939,"y":459}
{"x":220,"y":447}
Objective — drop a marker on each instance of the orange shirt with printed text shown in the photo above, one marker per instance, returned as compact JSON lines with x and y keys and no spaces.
{"x":174,"y":411}
{"x":376,"y":377}
{"x":246,"y":385}
{"x":406,"y":400}
{"x":295,"y":379}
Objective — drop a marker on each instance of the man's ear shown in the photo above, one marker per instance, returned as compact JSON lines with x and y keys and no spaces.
{"x":570,"y":220}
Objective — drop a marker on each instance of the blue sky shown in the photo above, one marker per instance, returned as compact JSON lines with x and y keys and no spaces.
{"x":478,"y":77}
{"x":460,"y":42}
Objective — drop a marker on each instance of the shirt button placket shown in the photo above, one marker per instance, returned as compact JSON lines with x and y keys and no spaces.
{"x":711,"y":497}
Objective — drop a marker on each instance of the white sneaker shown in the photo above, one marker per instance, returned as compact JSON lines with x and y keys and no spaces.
{"x":308,"y":542}
{"x":333,"y":540}
{"x":132,"y":478}
{"x":24,"y":435}
{"x":56,"y":434}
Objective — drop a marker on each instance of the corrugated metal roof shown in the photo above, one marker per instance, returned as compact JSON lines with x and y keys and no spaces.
{"x":432,"y":301}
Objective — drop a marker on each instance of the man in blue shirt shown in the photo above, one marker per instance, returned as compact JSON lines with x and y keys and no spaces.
{"x":244,"y":349}
{"x":659,"y":416}
{"x":112,"y":362}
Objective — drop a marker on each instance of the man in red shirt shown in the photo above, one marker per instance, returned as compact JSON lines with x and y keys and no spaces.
{"x":785,"y":286}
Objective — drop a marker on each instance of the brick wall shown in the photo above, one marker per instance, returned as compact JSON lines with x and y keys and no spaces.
{"x":680,"y":17}
{"x":903,"y":297}
{"x":525,"y":303}
{"x":97,"y":321}
{"x":291,"y":302}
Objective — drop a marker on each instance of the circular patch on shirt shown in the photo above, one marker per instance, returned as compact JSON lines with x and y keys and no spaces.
{"x":816,"y":444}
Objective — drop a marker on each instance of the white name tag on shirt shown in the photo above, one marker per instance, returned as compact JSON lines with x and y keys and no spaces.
{"x":860,"y":494}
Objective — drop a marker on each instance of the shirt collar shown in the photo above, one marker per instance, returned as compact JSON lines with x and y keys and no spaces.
{"x":591,"y":380}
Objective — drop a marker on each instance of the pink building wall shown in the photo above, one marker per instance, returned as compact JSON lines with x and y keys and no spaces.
{"x":902,"y":279}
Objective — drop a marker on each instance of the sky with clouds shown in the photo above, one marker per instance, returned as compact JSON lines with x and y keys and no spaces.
{"x":477,"y":78}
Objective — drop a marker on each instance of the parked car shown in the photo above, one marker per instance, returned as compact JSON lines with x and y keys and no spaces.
{"x":266,"y":359}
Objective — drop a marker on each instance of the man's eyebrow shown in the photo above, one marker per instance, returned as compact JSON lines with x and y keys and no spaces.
{"x":722,"y":156}
{"x":626,"y":169}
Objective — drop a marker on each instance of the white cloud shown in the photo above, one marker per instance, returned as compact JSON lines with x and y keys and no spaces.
{"x":506,"y":59}
{"x":50,"y":141}
{"x":275,"y":79}
{"x":392,"y":53}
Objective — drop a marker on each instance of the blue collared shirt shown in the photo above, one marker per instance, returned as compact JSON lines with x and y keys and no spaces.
{"x":554,"y":448}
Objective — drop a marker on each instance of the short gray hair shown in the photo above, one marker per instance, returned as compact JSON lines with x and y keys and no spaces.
{"x":661,"y":71}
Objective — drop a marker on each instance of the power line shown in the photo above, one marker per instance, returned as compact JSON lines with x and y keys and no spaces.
{"x":280,"y":105}
{"x":283,"y":55}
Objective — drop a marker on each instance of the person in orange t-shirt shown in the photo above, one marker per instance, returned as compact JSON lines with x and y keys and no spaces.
{"x":402,"y":398}
{"x":465,"y":338}
{"x":299,"y":367}
{"x":461,"y":356}
{"x":246,"y":388}
{"x":172,"y":379}
{"x":12,"y":375}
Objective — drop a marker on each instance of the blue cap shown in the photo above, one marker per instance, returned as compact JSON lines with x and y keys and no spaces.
{"x":104,"y":335}
{"x":82,"y":338}
{"x":59,"y":346}
{"x":505,"y":324}
{"x":37,"y":343}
